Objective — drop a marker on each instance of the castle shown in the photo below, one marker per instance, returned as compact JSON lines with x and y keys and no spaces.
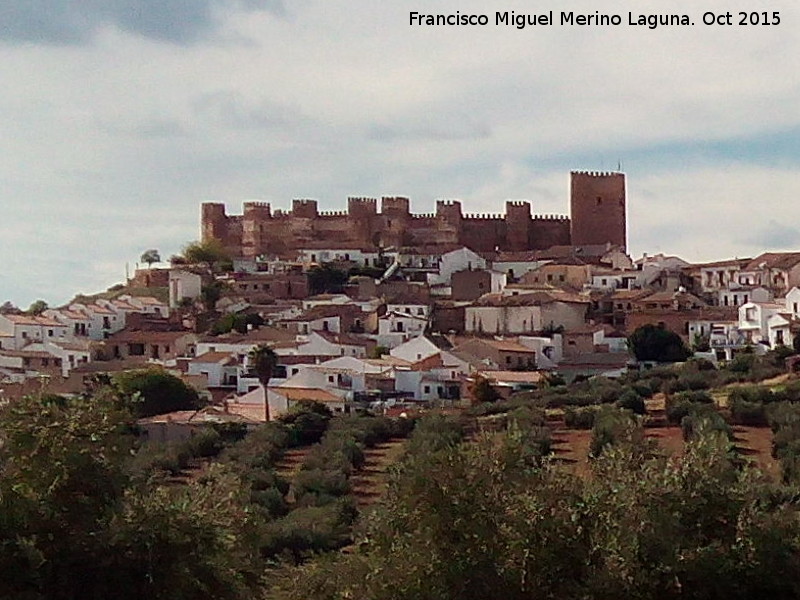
{"x":597,"y":216}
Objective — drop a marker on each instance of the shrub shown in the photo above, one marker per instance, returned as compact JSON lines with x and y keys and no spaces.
{"x":205,"y":443}
{"x":704,"y":420}
{"x":632,"y":401}
{"x":317,"y":486}
{"x":581,"y":418}
{"x":748,"y":413}
{"x":610,"y":426}
{"x":306,"y":422}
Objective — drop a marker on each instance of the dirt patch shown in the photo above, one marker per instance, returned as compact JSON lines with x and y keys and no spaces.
{"x":669,"y":440}
{"x":571,"y":449}
{"x":755,"y":444}
{"x":370,"y":482}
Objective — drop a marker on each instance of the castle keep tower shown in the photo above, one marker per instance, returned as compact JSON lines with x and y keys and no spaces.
{"x":597,"y":208}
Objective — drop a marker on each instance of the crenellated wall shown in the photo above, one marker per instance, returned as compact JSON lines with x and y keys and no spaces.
{"x":597,"y":203}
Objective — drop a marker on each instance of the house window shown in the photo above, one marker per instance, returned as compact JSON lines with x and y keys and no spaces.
{"x":24,"y":335}
{"x":508,"y":360}
{"x":561,"y":278}
{"x":49,"y":333}
{"x":426,"y":389}
{"x":331,"y":379}
{"x":421,"y":311}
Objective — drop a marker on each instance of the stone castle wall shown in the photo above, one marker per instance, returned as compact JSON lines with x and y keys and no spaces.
{"x":597,"y":204}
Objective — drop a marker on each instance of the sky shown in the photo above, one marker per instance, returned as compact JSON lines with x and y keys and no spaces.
{"x":119,"y":117}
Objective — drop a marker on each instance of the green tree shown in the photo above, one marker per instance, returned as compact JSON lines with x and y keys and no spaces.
{"x":210,"y":253}
{"x":211,"y":293}
{"x":650,"y":342}
{"x":153,"y":391}
{"x":37,"y":307}
{"x":326,"y":279}
{"x":150,"y":256}
{"x":482,"y":390}
{"x":61,"y":473}
{"x":263,"y":362}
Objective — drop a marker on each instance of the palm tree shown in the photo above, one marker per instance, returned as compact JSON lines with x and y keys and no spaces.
{"x":263,"y":361}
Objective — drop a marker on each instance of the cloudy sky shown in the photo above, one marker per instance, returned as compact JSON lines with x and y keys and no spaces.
{"x":119,"y":117}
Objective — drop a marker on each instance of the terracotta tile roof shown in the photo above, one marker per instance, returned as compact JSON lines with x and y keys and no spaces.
{"x":215,"y":357}
{"x":33,"y":320}
{"x":774,"y":260}
{"x":147,"y":336}
{"x":731,"y":262}
{"x":506,"y":345}
{"x":150,"y":300}
{"x":71,"y":314}
{"x":316,"y":394}
{"x":514,"y":376}
{"x":100,"y":310}
{"x":343,"y":339}
{"x":27,"y":353}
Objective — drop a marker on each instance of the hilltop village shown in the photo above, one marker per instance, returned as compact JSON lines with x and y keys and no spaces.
{"x":380,"y":308}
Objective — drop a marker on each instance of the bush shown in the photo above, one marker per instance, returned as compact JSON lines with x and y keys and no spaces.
{"x":632,"y":401}
{"x":315,"y":487}
{"x":688,"y":381}
{"x":306,"y":422}
{"x":754,"y":393}
{"x":153,"y":391}
{"x":747,"y":413}
{"x":702,"y":421}
{"x":309,"y":530}
{"x":581,"y":418}
{"x":684,"y":403}
{"x":205,"y":443}
{"x":610,"y":426}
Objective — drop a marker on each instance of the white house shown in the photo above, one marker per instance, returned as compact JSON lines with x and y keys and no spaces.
{"x":451,"y":262}
{"x":183,"y":285}
{"x":754,"y":317}
{"x":415,"y":349}
{"x":20,"y":330}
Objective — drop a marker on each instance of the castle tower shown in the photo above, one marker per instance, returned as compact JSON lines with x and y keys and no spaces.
{"x":304,"y":209}
{"x":597,"y":208}
{"x":213,"y":221}
{"x":518,"y":224}
{"x":362,"y":213}
{"x":254,"y":219}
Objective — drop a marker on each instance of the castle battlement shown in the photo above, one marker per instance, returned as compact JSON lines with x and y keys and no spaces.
{"x":597,"y":215}
{"x":599,"y":173}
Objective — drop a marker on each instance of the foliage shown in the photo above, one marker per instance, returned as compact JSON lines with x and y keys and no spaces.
{"x":211,"y":293}
{"x":153,"y":391}
{"x":482,"y":521}
{"x":611,"y":426}
{"x":326,"y":279}
{"x":378,"y":351}
{"x":306,"y":422}
{"x":241,"y":323}
{"x":752,"y":414}
{"x":632,"y":401}
{"x":74,"y":526}
{"x":150,"y":256}
{"x":580,"y":418}
{"x":650,"y":342}
{"x":482,"y":390}
{"x":210,"y":253}
{"x":37,"y":307}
